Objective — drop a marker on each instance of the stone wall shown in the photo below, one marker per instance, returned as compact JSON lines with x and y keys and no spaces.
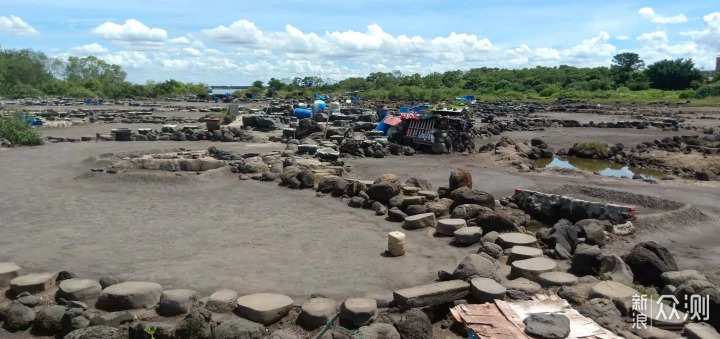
{"x":552,"y":207}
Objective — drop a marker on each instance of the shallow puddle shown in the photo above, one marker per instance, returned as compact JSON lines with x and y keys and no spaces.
{"x":604,"y":167}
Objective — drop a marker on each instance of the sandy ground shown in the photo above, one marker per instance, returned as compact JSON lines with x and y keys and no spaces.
{"x":204,"y":234}
{"x":213,"y":232}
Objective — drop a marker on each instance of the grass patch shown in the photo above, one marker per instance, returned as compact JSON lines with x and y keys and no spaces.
{"x":17,"y":131}
{"x":596,"y":146}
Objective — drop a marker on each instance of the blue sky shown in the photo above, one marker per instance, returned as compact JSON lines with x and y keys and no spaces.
{"x":236,"y":42}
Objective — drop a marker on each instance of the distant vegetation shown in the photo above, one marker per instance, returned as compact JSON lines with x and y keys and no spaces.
{"x":27,"y":73}
{"x":15,"y":129}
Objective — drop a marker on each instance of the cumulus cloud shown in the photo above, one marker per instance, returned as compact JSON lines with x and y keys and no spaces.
{"x":16,"y":26}
{"x":710,"y":36}
{"x":240,"y":32}
{"x":655,"y":38}
{"x":128,"y":59}
{"x":131,"y":31}
{"x":649,"y":14}
{"x":90,"y":49}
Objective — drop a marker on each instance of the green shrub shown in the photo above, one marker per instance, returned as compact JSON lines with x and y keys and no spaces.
{"x":549,"y":91}
{"x":686,"y":94}
{"x":597,"y":146}
{"x":712,"y":90}
{"x":15,"y":129}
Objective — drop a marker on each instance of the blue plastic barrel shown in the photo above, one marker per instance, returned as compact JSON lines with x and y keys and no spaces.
{"x":302,"y":113}
{"x":421,"y":108}
{"x":382,"y":113}
{"x":101,"y":102}
{"x":217,"y":100}
{"x":404,"y":109}
{"x":382,"y":126}
{"x":319,"y":106}
{"x":89,"y":101}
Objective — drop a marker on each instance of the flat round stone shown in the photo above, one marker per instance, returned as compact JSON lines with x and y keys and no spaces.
{"x":532,"y":268}
{"x":264,"y":308}
{"x":468,"y":235}
{"x":486,"y":290}
{"x":449,"y":226}
{"x":508,"y":240}
{"x":410,"y":190}
{"x":78,"y":289}
{"x":419,"y":221}
{"x":33,"y":283}
{"x":523,"y":252}
{"x":430,"y":195}
{"x":8,"y":271}
{"x":130,"y":295}
{"x":549,"y":279}
{"x":612,"y":290}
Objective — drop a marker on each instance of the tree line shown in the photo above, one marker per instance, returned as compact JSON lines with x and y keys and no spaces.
{"x":27,"y":73}
{"x":627,"y":74}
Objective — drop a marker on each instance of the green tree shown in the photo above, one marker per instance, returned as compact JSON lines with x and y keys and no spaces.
{"x":676,"y":74}
{"x":628,"y":62}
{"x":81,"y":69}
{"x":275,"y":84}
{"x":257,"y":83}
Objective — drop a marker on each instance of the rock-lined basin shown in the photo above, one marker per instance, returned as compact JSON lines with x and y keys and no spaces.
{"x":604,"y":167}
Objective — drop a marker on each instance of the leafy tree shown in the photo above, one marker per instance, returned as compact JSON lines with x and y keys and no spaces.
{"x":257,"y":83}
{"x":81,"y":69}
{"x":676,"y":74}
{"x":628,"y":62}
{"x":275,"y":84}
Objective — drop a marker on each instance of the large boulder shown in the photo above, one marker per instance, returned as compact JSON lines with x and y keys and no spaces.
{"x":423,"y":184}
{"x":238,"y":328}
{"x":495,"y":222}
{"x":469,"y":211}
{"x":677,"y":278}
{"x":358,"y":311}
{"x":465,"y":195}
{"x":49,"y":320}
{"x":474,"y":266}
{"x":222,"y":301}
{"x":706,"y":290}
{"x":603,"y":312}
{"x":586,"y":260}
{"x":547,"y":325}
{"x":176,"y":302}
{"x":306,"y":178}
{"x":612,"y":267}
{"x":564,"y":234}
{"x":383,"y":191}
{"x":196,"y":325}
{"x":460,"y":178}
{"x":328,"y":183}
{"x":316,"y":312}
{"x":648,"y":261}
{"x":379,"y":331}
{"x":414,"y":324}
{"x":19,"y":317}
{"x":130,"y":295}
{"x":97,"y":332}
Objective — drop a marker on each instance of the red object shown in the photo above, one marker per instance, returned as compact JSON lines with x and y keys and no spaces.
{"x":392,"y":121}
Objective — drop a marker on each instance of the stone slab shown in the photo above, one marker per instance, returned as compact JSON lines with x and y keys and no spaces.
{"x":431,"y":294}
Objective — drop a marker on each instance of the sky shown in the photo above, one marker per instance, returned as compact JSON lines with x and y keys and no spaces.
{"x":237,"y":42}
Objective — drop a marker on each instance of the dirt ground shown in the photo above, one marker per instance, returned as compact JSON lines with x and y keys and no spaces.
{"x":211,"y":232}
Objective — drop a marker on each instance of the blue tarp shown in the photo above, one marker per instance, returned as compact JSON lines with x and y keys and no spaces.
{"x":404,"y":109}
{"x":382,"y":126}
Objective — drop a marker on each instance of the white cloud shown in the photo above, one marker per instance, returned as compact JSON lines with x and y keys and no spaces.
{"x":90,"y":49}
{"x":16,"y":26}
{"x":240,"y":32}
{"x":654,"y":38}
{"x":131,"y":31}
{"x":622,"y":37}
{"x":649,"y":14}
{"x":710,"y":36}
{"x":128,"y":59}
